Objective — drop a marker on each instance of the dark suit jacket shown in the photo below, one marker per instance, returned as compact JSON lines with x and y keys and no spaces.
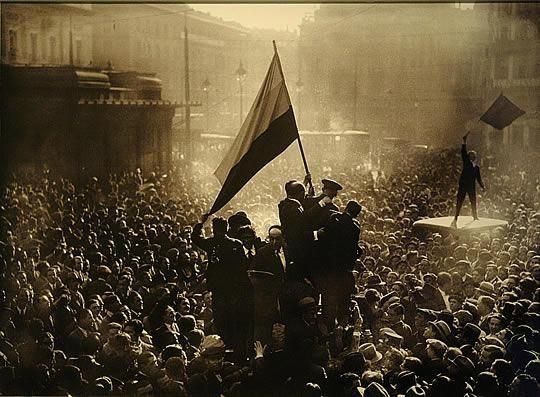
{"x":470,"y":173}
{"x":227,"y":263}
{"x":267,"y":260}
{"x":295,"y":223}
{"x":323,"y":216}
{"x":340,"y":241}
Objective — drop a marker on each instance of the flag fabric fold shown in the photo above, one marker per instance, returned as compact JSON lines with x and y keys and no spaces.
{"x":269,"y":128}
{"x":502,"y":113}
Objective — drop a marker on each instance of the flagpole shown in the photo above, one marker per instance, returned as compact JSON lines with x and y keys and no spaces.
{"x":299,"y":140}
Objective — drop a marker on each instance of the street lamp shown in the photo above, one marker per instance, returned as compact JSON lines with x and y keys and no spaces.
{"x":206,"y":88}
{"x":240,"y":76}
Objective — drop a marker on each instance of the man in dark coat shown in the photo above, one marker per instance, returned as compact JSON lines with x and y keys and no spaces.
{"x":295,"y":222}
{"x":330,"y":189}
{"x":226,"y":276}
{"x":339,"y":240}
{"x":267,"y":275}
{"x":467,"y":181}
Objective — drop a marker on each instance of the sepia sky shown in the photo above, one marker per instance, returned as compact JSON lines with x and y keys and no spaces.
{"x":265,"y":16}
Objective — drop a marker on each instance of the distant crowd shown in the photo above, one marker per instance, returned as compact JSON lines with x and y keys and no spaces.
{"x":121,"y":286}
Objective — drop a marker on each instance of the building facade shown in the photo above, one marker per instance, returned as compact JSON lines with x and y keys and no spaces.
{"x":404,"y":70}
{"x":513,"y":68}
{"x":83,"y":122}
{"x":46,"y":34}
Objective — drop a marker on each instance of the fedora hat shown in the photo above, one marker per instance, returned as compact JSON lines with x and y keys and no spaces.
{"x":442,"y":329}
{"x":370,"y":352}
{"x":486,"y":288}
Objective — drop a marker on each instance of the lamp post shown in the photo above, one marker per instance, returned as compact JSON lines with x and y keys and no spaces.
{"x":206,"y":88}
{"x":240,"y":76}
{"x":299,"y":88}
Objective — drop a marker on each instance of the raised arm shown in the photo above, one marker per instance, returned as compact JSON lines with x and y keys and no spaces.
{"x":197,"y":237}
{"x":464,"y":154}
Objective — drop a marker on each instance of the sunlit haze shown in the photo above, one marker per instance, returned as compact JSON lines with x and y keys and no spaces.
{"x":263,"y":16}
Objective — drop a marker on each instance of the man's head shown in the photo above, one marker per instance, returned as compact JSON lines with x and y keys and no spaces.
{"x":219,"y":226}
{"x":472,"y":155}
{"x":353,"y":208}
{"x":275,"y":237}
{"x":134,"y":328}
{"x":295,"y":190}
{"x":330,"y":188}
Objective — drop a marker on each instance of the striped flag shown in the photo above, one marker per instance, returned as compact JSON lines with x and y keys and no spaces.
{"x":269,"y":128}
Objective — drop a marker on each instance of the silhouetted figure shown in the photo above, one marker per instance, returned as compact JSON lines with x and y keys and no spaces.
{"x":467,"y":181}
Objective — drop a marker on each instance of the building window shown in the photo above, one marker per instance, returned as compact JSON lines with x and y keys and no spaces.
{"x":501,"y":68}
{"x":520,"y":68}
{"x":78,"y":52}
{"x":33,"y":47}
{"x":52,"y":49}
{"x":12,"y":45}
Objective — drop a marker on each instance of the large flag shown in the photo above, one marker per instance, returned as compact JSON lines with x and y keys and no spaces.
{"x":269,"y":128}
{"x":501,"y":113}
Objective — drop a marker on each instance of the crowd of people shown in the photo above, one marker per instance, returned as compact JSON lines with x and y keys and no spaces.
{"x":121,"y":287}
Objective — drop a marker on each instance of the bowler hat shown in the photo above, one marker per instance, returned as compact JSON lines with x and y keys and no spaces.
{"x":331,"y":184}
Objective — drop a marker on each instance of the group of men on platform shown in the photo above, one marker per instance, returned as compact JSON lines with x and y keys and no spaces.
{"x":256,"y":285}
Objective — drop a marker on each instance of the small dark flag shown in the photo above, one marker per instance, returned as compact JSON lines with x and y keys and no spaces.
{"x":501,"y":113}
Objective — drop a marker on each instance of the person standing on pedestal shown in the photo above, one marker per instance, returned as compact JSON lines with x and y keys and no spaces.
{"x":467,"y":181}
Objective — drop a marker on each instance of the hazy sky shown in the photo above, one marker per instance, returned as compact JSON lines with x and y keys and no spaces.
{"x":267,"y":16}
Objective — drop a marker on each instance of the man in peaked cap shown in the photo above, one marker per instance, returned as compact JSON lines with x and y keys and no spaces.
{"x":330,"y":189}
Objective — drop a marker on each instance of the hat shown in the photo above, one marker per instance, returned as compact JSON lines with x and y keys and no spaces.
{"x":463,"y":316}
{"x":354,"y":362}
{"x":463,"y":364}
{"x":391,"y":334}
{"x":212,"y":345}
{"x":331,"y":184}
{"x":415,"y":391}
{"x":430,"y":275}
{"x":438,"y":345}
{"x":446,"y":316}
{"x":404,"y":380}
{"x":442,"y":329}
{"x":388,"y":297}
{"x":398,"y":307}
{"x":486,"y":288}
{"x":429,"y":314}
{"x":308,"y":302}
{"x":370,"y":352}
{"x":375,"y":390}
{"x":471,"y":332}
{"x":374,"y":281}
